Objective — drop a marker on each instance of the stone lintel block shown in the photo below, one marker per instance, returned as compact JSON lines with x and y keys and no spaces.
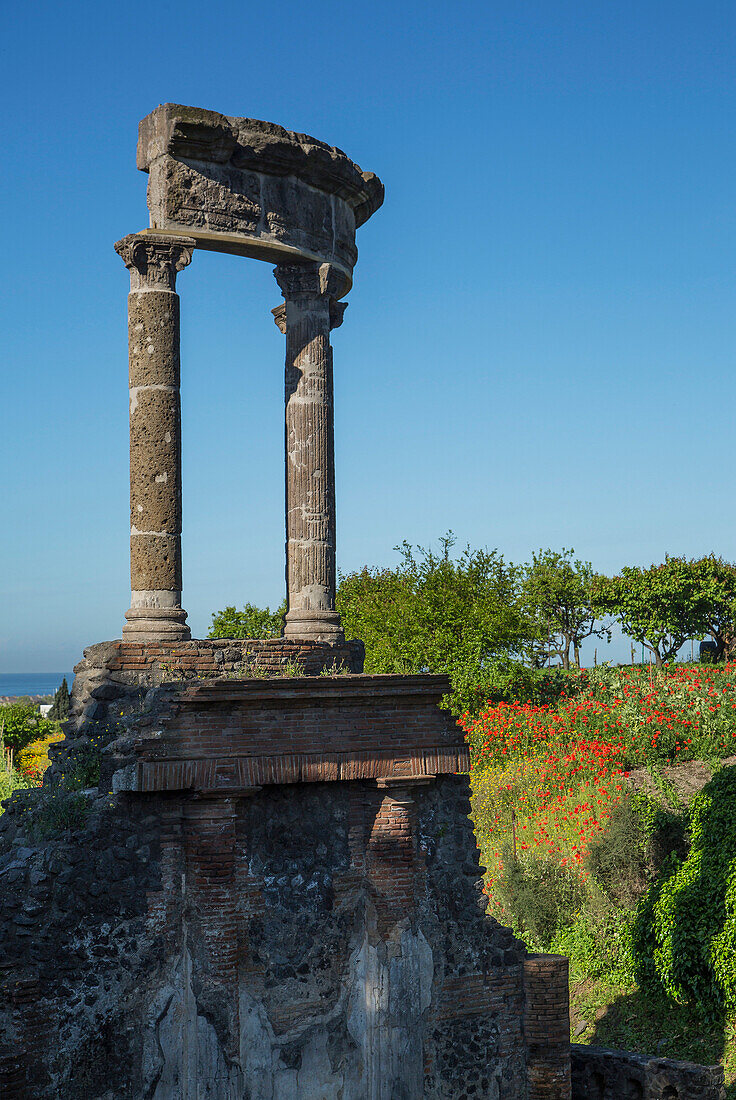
{"x":193,"y":133}
{"x":227,"y":773}
{"x":364,"y":688}
{"x":253,"y":188}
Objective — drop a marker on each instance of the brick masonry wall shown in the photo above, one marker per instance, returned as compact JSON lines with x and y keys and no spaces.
{"x":296,"y":940}
{"x":547,"y":1027}
{"x":109,"y":668}
{"x":230,"y":735}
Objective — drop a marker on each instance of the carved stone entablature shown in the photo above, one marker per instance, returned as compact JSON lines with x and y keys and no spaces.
{"x":153,"y":261}
{"x":254,"y":188}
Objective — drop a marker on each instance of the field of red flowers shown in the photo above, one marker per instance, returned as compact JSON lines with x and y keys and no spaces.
{"x":547,"y":779}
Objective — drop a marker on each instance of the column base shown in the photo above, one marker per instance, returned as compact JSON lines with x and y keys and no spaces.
{"x":315,"y":626}
{"x":156,"y":624}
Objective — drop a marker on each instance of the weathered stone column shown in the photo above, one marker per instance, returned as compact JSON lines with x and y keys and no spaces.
{"x":155,"y":613}
{"x":310,"y":310}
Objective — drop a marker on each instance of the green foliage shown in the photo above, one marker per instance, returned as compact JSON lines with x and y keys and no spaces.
{"x":618,"y":860}
{"x":60,"y":706}
{"x":597,"y":945}
{"x":509,"y":681}
{"x":557,"y":593}
{"x":85,"y":770}
{"x":21,"y":723}
{"x":12,"y":780}
{"x":436,"y":613}
{"x":538,"y":897}
{"x":685,"y":932}
{"x":717,"y":580}
{"x":56,"y":809}
{"x":251,"y":622}
{"x":661,"y":607}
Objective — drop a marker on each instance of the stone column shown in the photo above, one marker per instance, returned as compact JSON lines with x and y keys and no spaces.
{"x":155,"y":613}
{"x":310,"y":310}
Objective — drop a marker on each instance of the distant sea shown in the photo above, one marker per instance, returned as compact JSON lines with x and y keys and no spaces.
{"x":32,"y":683}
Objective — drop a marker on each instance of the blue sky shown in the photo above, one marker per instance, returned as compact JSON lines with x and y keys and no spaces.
{"x":539,"y":347}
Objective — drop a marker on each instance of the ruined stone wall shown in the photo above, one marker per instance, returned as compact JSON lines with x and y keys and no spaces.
{"x":321,"y":934}
{"x":114,"y":671}
{"x":255,"y":957}
{"x":308,"y":941}
{"x":599,"y":1074}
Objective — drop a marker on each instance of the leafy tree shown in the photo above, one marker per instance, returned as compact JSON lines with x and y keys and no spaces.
{"x":557,"y":592}
{"x":21,"y":723}
{"x":717,"y":580}
{"x":660,"y":607}
{"x":251,"y":622}
{"x":436,"y":613}
{"x":60,"y":706}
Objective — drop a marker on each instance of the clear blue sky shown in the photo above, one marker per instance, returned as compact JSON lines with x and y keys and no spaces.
{"x":539,"y":348}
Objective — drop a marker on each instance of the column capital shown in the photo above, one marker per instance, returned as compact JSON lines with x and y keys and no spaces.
{"x":154,"y":259}
{"x":337,"y":311}
{"x":279,"y":317}
{"x":309,"y":282}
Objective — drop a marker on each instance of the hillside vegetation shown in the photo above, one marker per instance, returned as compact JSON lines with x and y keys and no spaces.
{"x":607,"y":840}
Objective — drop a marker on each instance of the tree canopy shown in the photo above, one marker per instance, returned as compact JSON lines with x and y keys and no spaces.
{"x":557,"y":593}
{"x":436,"y":613}
{"x":251,"y":622}
{"x":717,"y":580}
{"x":21,"y":723}
{"x":61,"y":703}
{"x":659,"y":607}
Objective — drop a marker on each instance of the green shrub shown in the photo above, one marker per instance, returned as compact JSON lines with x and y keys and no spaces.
{"x":540,"y":897}
{"x":251,"y":622}
{"x":684,"y":935}
{"x":21,"y":723}
{"x":510,"y":682}
{"x":617,"y":861}
{"x":56,"y":809}
{"x":12,"y":780}
{"x":598,"y":948}
{"x":86,"y":768}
